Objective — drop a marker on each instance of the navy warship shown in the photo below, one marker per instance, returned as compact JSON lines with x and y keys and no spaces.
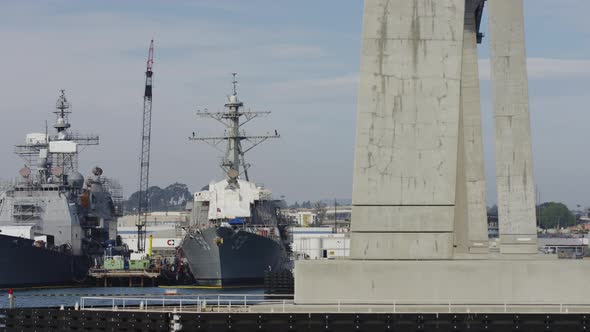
{"x":236,"y":232}
{"x":53,"y":222}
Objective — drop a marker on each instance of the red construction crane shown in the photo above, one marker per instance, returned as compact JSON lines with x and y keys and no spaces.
{"x":144,"y":174}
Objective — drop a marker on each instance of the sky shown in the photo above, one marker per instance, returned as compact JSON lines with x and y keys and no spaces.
{"x":298,"y":59}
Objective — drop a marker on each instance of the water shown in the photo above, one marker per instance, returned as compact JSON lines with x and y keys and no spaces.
{"x":70,"y":296}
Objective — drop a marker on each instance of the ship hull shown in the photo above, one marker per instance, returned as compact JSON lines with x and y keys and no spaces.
{"x":222,"y":256}
{"x":23,"y":265}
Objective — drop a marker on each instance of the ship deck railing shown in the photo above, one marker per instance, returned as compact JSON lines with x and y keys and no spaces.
{"x":264,"y":303}
{"x":125,"y":271}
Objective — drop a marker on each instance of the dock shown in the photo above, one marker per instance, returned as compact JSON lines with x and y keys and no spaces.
{"x":267,"y":313}
{"x":135,"y":278}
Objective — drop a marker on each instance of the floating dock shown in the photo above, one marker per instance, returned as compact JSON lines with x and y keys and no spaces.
{"x":135,"y":278}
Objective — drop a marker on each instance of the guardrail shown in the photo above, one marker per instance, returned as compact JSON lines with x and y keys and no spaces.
{"x":259,"y":303}
{"x":184,"y":303}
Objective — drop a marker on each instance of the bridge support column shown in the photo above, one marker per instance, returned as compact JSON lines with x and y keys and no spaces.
{"x":418,"y":189}
{"x":471,"y":212}
{"x":514,"y":162}
{"x":407,"y":130}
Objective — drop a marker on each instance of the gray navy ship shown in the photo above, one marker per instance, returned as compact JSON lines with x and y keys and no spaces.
{"x":237,"y":232}
{"x":53,"y":222}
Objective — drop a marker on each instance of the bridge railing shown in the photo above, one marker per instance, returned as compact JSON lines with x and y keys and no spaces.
{"x":196,"y":303}
{"x":260,"y":303}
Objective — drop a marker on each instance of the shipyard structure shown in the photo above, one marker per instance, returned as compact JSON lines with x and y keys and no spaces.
{"x":418,"y":228}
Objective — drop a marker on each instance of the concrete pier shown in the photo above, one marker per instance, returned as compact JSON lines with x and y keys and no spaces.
{"x":514,"y":162}
{"x":495,"y":280}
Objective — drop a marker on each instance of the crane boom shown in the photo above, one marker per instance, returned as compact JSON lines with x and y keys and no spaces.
{"x":144,"y":174}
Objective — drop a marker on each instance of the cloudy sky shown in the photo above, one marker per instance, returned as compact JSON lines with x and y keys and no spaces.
{"x":299,"y":59}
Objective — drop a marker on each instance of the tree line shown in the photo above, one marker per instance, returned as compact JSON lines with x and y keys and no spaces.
{"x":171,"y":198}
{"x":550,"y":215}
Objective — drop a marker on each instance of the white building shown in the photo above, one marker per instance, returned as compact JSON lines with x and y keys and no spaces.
{"x":166,"y":229}
{"x":303,"y":218}
{"x":320,"y":243}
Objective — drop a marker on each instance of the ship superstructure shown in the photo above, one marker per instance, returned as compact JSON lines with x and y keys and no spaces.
{"x":236,"y":233}
{"x":53,"y":205}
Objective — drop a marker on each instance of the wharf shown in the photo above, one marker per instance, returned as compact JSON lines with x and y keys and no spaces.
{"x":264,"y":313}
{"x":134,"y":277}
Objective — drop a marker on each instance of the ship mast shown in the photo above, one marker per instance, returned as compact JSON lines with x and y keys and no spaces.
{"x":62,"y":111}
{"x":234,"y":163}
{"x":60,"y":151}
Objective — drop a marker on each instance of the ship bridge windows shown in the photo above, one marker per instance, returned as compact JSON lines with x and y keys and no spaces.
{"x":52,"y":188}
{"x":26,"y":211}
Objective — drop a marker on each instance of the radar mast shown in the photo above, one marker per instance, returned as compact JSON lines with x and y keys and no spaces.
{"x":238,"y":142}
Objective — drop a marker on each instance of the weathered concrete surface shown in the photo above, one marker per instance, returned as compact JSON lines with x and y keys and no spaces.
{"x":461,"y":227}
{"x":514,"y":161}
{"x":407,"y":121}
{"x":401,"y":219}
{"x":466,"y":281}
{"x":403,"y":245}
{"x":470,"y":129}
